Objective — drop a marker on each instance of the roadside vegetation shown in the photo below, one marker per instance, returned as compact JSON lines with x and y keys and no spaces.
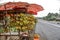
{"x":52,"y":17}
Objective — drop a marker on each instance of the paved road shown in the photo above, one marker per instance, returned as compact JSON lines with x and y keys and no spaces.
{"x":48,"y":31}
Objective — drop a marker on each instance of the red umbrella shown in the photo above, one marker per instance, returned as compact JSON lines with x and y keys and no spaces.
{"x":12,"y":5}
{"x":31,"y":8}
{"x":34,"y":8}
{"x":2,"y":7}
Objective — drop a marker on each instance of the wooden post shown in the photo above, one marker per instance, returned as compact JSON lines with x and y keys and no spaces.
{"x":0,"y":36}
{"x":6,"y":37}
{"x":19,"y":34}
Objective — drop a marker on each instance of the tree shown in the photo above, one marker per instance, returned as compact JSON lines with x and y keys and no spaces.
{"x":56,"y":14}
{"x":51,"y":16}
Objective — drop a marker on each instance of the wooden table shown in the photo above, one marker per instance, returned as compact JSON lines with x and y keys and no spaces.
{"x":6,"y":35}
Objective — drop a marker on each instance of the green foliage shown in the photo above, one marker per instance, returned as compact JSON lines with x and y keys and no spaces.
{"x":51,"y":16}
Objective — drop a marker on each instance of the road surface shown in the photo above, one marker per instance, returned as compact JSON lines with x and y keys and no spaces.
{"x":48,"y":31}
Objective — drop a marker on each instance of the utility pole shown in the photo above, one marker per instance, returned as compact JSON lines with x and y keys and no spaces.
{"x":59,"y":10}
{"x":59,"y":13}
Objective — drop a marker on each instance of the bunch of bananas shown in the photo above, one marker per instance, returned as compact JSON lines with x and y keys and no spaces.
{"x":23,"y":21}
{"x":20,"y":21}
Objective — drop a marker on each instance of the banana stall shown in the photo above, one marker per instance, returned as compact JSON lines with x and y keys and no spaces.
{"x":17,"y":21}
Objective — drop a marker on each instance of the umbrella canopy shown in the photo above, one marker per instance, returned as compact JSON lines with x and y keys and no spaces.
{"x":13,"y":5}
{"x":2,"y":8}
{"x":34,"y":8}
{"x":31,"y":8}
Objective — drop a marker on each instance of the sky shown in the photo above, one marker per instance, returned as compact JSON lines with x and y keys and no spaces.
{"x":48,"y":5}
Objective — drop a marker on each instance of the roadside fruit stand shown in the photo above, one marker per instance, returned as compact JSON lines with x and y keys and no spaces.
{"x":16,"y":19}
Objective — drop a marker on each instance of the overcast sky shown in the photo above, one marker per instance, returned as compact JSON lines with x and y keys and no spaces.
{"x":48,"y":5}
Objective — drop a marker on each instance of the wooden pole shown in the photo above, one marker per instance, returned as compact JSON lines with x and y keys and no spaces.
{"x":19,"y":34}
